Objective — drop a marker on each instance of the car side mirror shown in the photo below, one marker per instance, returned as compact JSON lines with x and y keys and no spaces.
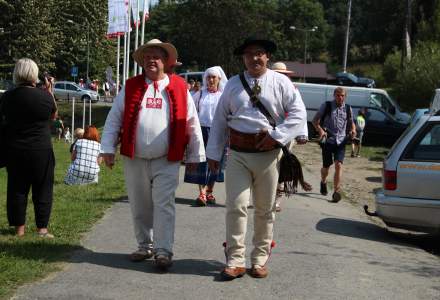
{"x":78,"y":89}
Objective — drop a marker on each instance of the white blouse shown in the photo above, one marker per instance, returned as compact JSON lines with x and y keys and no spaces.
{"x":206,"y":104}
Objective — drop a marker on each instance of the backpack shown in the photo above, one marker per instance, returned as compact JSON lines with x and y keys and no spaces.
{"x":327,"y":112}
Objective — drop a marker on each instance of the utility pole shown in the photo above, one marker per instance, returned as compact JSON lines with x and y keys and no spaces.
{"x":347,"y":34}
{"x":406,"y":49}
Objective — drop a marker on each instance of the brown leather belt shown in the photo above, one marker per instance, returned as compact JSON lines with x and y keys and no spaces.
{"x":246,"y":142}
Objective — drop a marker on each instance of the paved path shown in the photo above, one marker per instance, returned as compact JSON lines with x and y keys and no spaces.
{"x":324,"y":251}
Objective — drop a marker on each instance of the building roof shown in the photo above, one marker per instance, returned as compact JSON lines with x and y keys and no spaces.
{"x":313,"y":70}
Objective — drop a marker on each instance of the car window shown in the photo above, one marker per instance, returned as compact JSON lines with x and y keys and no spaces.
{"x":376,"y":115}
{"x":427,"y":146}
{"x":59,"y":86}
{"x":71,"y":87}
{"x":352,"y":77}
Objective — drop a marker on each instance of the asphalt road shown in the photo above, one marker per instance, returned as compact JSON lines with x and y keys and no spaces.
{"x":324,"y":251}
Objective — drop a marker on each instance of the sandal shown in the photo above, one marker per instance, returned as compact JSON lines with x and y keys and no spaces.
{"x":201,"y":200}
{"x":210,"y":199}
{"x":45,"y":235}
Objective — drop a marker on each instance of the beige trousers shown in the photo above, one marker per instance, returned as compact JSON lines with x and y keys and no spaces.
{"x":245,"y":172}
{"x":151,"y":186}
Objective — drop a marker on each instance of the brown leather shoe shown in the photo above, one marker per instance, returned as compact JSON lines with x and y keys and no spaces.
{"x":230,"y":273}
{"x":163,"y":262}
{"x":259,"y":271}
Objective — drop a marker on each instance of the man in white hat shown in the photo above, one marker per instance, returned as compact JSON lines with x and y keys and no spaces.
{"x":155,"y":120}
{"x":253,"y":163}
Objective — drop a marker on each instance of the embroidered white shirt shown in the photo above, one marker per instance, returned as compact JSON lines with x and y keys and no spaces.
{"x":235,"y":110}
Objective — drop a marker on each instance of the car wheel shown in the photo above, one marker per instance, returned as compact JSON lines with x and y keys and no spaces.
{"x":85,"y":98}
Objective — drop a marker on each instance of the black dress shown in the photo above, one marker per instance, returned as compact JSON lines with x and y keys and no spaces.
{"x":30,"y":160}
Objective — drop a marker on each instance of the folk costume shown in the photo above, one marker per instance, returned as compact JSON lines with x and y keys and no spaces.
{"x":249,"y":168}
{"x":157,"y":122}
{"x":206,"y":104}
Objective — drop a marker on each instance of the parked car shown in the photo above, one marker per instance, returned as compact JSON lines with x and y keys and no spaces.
{"x":410,"y":198}
{"x":349,"y":79}
{"x":66,"y":90}
{"x":417,"y":114}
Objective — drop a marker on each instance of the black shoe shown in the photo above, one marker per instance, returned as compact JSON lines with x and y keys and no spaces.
{"x":336,"y":197}
{"x":323,"y":189}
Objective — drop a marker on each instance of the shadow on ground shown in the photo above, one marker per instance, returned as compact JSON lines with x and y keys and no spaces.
{"x":47,"y":252}
{"x":192,"y":202}
{"x":372,"y":232}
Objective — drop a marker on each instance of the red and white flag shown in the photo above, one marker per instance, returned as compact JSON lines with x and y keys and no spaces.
{"x":117,"y":18}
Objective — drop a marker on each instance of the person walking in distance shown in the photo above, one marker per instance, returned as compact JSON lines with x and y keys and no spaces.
{"x":335,"y":126}
{"x":253,"y":163}
{"x":356,"y":145}
{"x":159,"y":124}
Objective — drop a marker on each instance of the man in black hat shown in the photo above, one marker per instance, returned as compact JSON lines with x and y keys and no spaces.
{"x":255,"y":151}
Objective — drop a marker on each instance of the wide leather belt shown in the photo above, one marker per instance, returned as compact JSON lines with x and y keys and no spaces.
{"x":246,"y":142}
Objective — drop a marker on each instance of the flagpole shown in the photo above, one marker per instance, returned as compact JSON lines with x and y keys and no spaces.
{"x":143,"y":29}
{"x":128,"y":40}
{"x":137,"y":33}
{"x":124,"y":66}
{"x":117,"y":64}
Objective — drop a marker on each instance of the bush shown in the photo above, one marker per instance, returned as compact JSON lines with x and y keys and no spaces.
{"x":414,"y":84}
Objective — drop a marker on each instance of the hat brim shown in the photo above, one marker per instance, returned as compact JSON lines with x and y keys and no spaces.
{"x":138,"y":55}
{"x":284,"y":71}
{"x":269,"y":46}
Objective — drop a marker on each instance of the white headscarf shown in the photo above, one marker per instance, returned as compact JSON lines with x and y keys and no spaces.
{"x":215,"y":71}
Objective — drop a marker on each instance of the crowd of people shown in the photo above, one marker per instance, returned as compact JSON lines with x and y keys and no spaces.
{"x":226,"y":130}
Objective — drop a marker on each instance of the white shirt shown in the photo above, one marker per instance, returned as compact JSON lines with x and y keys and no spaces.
{"x":152,"y":132}
{"x":206,"y":104}
{"x":235,"y":110}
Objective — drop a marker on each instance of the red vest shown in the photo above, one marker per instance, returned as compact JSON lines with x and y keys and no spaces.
{"x":135,"y":89}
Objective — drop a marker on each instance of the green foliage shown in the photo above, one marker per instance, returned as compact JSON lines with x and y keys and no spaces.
{"x":54,"y":34}
{"x":414,"y":84}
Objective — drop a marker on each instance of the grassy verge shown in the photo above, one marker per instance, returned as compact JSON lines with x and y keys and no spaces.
{"x":75,"y":210}
{"x":374,"y":153}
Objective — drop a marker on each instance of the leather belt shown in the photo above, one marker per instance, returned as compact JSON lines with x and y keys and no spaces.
{"x":246,"y":142}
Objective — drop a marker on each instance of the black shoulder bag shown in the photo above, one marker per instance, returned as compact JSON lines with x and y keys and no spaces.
{"x":290,"y":167}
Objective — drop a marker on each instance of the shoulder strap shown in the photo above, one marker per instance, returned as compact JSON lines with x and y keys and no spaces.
{"x":255,"y":101}
{"x":327,"y":111}
{"x":349,"y":118}
{"x":198,"y":102}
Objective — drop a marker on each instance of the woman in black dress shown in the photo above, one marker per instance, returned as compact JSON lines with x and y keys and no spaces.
{"x":28,"y":113}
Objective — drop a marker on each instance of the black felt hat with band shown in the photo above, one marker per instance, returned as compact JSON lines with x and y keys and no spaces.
{"x":269,"y":46}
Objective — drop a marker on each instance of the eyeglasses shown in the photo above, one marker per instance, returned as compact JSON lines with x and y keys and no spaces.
{"x":251,"y":54}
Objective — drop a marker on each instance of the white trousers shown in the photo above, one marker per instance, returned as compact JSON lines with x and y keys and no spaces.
{"x":151,"y":186}
{"x":245,"y":172}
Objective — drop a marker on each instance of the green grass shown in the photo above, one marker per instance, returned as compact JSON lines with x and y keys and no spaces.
{"x":376,"y":153}
{"x":372,"y":153}
{"x":75,"y":210}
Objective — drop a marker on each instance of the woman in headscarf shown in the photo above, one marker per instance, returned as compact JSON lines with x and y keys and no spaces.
{"x":206,"y":100}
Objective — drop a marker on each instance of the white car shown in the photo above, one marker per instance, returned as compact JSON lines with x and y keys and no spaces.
{"x":66,"y":90}
{"x":410,"y":198}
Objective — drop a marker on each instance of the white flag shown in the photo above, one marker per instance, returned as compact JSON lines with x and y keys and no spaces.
{"x":135,"y":8}
{"x":117,"y":17}
{"x":145,"y":8}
